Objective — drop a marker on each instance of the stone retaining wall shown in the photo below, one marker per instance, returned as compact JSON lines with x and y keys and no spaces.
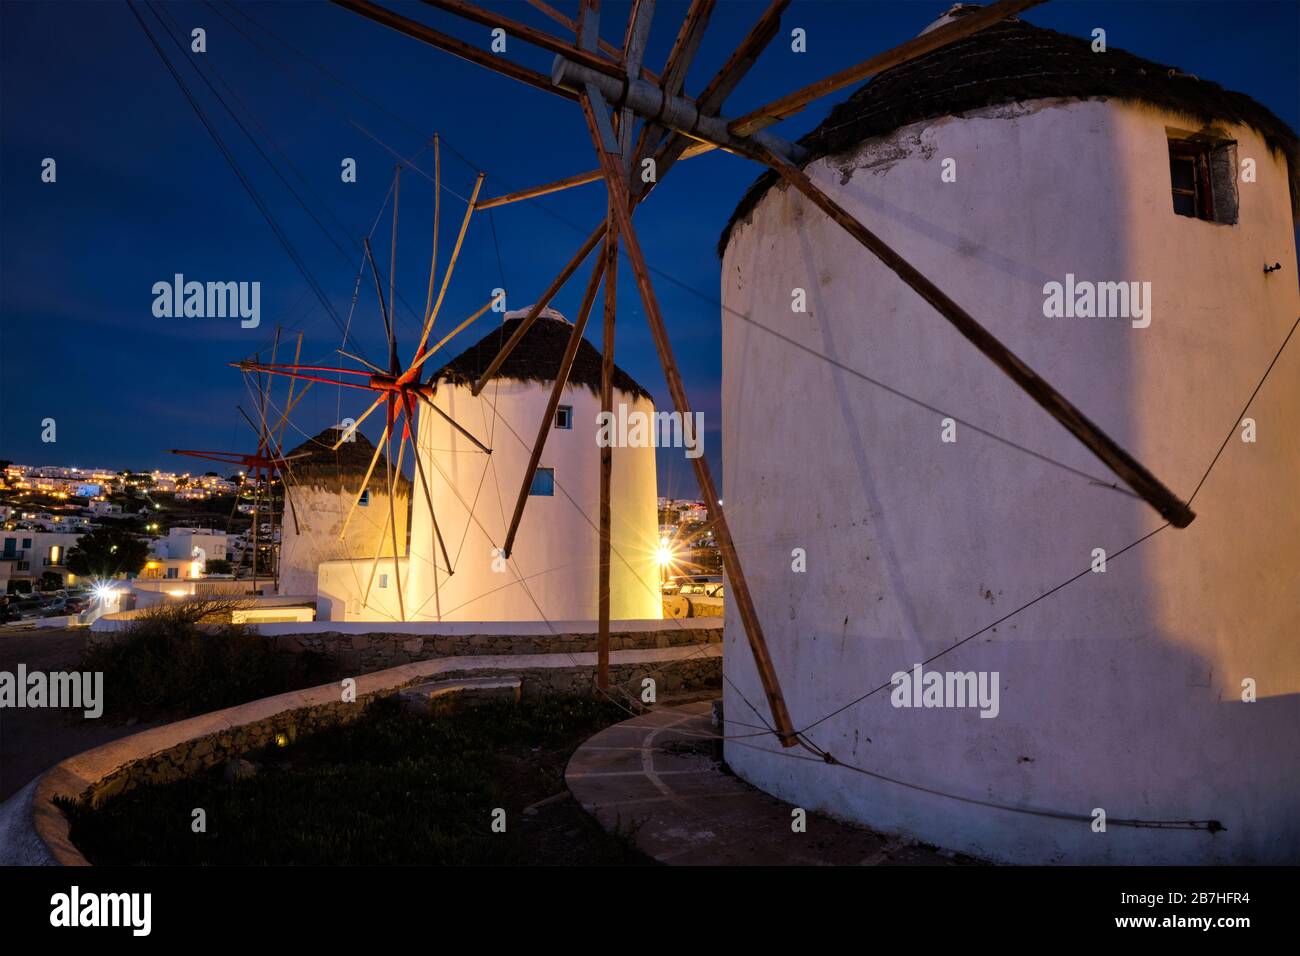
{"x":173,"y":751}
{"x":201,"y":753}
{"x":364,"y":653}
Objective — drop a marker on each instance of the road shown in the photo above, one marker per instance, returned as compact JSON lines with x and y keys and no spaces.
{"x":32,"y":740}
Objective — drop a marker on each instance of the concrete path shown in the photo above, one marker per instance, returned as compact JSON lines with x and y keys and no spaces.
{"x":659,"y":778}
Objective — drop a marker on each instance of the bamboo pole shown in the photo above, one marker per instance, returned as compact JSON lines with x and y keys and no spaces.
{"x":919,"y":46}
{"x":453,"y":423}
{"x":292,"y":404}
{"x":606,"y":457}
{"x":437,"y":214}
{"x":453,"y":46}
{"x":621,"y":207}
{"x":515,"y":28}
{"x":357,"y":358}
{"x":545,"y":189}
{"x":743,"y":58}
{"x":283,"y":423}
{"x":260,"y":429}
{"x":451,"y":266}
{"x":379,"y":551}
{"x":535,"y":311}
{"x":285,"y":471}
{"x":415,"y":366}
{"x":678,"y":145}
{"x":379,"y":290}
{"x":365,"y":482}
{"x":257,"y":496}
{"x":686,"y":45}
{"x":1133,"y":473}
{"x":343,"y":436}
{"x":603,"y":45}
{"x":437,"y":533}
{"x":677,"y":112}
{"x":689,"y":149}
{"x":392,"y":272}
{"x":392,"y":520}
{"x":557,"y":389}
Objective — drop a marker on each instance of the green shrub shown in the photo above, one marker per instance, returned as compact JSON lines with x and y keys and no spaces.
{"x":185,"y":658}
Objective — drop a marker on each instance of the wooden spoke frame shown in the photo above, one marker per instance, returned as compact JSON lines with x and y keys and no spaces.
{"x":399,"y":389}
{"x":614,"y":92}
{"x":265,"y":465}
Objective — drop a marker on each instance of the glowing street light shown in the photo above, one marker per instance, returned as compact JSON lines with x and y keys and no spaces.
{"x":103,"y":592}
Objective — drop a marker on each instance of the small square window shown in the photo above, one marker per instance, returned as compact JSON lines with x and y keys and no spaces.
{"x":543,"y":482}
{"x":173,"y":572}
{"x":564,"y":416}
{"x":1203,"y":179}
{"x":383,"y":580}
{"x":27,"y":542}
{"x":364,"y":499}
{"x":1189,"y":176}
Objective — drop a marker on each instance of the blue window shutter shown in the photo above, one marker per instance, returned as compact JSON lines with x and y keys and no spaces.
{"x":543,"y":482}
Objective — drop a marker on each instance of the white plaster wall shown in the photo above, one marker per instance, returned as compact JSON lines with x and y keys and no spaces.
{"x":315,"y":539}
{"x":552,"y":571}
{"x":1120,"y":691}
{"x":181,"y":543}
{"x":362,"y":589}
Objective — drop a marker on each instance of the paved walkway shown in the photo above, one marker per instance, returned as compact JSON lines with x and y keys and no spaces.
{"x":660,"y":778}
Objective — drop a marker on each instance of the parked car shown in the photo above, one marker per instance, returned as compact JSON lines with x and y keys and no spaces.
{"x":694,"y":595}
{"x":28,"y":609}
{"x":54,"y":608}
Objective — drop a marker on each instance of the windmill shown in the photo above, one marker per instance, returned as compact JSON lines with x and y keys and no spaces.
{"x":398,"y":387}
{"x":267,"y":462}
{"x":616,"y":91}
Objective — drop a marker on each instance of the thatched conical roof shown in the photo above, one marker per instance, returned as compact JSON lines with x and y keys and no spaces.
{"x":536,"y":358}
{"x":1013,"y":61}
{"x":342,"y":470}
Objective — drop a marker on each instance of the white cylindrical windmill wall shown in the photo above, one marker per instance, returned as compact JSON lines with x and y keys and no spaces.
{"x":1123,"y":690}
{"x":322,"y":488}
{"x":552,"y":571}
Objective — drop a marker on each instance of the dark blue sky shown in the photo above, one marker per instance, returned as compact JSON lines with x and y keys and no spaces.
{"x":143,"y":193}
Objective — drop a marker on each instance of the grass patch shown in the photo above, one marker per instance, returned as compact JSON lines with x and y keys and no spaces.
{"x":185,"y":658}
{"x":393,"y":787}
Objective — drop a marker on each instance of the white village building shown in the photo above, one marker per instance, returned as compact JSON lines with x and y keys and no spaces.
{"x":999,"y":166}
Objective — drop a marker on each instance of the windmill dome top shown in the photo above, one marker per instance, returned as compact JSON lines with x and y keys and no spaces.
{"x":342,"y":470}
{"x":536,"y":358}
{"x":955,"y":12}
{"x":547,"y":313}
{"x":1013,"y":61}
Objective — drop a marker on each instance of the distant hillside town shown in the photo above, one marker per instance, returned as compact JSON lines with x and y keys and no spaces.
{"x":184,"y":527}
{"x":67,"y":530}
